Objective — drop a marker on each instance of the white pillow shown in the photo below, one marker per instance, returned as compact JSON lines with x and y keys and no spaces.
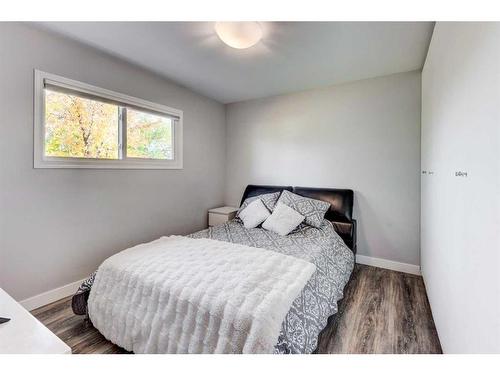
{"x":254,"y":214}
{"x":283,"y":220}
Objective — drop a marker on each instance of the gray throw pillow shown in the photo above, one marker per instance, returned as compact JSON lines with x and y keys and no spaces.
{"x":314,"y":210}
{"x":269,"y":201}
{"x":254,"y":214}
{"x":283,"y":220}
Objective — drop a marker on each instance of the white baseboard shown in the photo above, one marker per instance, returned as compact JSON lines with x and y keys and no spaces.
{"x":388,"y":264}
{"x":50,"y":296}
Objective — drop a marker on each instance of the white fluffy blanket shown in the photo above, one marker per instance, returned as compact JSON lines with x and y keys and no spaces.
{"x":183,"y":295}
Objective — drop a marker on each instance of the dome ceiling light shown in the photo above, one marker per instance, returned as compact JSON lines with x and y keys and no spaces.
{"x":239,"y":35}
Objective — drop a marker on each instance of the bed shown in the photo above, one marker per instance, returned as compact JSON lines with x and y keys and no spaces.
{"x":330,"y":248}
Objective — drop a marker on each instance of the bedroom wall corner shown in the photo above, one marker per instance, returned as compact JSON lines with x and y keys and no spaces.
{"x":363,"y":135}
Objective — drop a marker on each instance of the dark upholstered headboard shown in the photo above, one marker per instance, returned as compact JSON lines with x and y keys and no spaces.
{"x":340,"y":212}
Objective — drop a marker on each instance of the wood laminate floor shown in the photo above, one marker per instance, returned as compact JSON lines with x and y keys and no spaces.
{"x":383,"y":312}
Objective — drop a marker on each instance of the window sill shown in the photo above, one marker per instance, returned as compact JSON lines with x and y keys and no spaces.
{"x":107,"y":164}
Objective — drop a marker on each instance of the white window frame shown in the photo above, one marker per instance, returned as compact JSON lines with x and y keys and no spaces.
{"x":43,"y":161}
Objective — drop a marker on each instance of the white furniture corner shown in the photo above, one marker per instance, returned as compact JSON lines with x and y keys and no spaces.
{"x":24,"y":334}
{"x":220,"y":215}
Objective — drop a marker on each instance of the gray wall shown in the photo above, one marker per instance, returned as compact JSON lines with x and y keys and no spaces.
{"x":461,"y":215}
{"x":363,"y":135}
{"x":56,"y":226}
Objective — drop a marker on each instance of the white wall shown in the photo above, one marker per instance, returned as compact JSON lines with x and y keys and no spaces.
{"x":363,"y":135}
{"x":461,"y":216}
{"x":56,"y":226}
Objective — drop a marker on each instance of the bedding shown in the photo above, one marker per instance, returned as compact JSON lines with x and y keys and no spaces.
{"x":309,"y":312}
{"x":283,"y":220}
{"x":185,"y":295}
{"x":254,"y":214}
{"x":314,"y":210}
{"x":321,"y":246}
{"x":269,"y":201}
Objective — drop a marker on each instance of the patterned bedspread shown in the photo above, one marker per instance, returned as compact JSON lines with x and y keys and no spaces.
{"x":310,"y":310}
{"x":334,"y":264}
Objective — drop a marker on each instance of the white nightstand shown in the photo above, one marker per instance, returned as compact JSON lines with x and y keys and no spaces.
{"x":220,"y":215}
{"x":24,"y":334}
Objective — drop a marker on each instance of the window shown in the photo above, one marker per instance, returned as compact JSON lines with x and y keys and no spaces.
{"x":82,"y":126}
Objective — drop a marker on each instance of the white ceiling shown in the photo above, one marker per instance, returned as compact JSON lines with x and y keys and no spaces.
{"x":292,"y":56}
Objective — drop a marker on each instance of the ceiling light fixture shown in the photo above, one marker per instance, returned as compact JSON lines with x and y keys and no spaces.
{"x":239,"y":35}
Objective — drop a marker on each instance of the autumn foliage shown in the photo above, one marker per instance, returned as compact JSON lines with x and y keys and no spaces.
{"x":86,"y":128}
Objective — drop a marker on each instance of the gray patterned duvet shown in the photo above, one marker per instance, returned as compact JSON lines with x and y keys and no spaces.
{"x":334,"y":263}
{"x":310,"y":311}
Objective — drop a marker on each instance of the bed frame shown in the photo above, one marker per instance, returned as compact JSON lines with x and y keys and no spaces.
{"x":339,"y":214}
